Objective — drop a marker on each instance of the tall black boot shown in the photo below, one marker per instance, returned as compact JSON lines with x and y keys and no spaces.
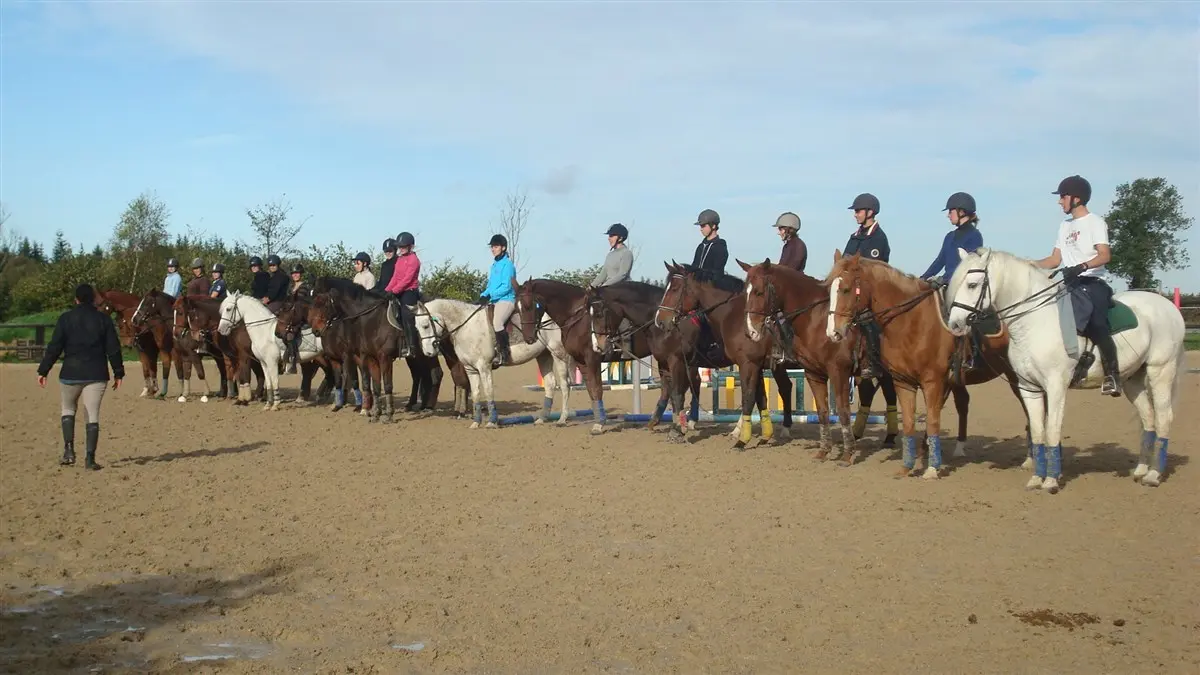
{"x":68,"y":429}
{"x":870,"y":366}
{"x":1108,"y":360}
{"x":410,"y":335}
{"x":502,"y":346}
{"x":93,"y":439}
{"x":786,"y":336}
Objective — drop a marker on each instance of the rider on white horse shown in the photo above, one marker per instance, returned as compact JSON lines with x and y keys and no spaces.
{"x":499,"y":292}
{"x":960,"y":209}
{"x":618,"y":265}
{"x":1082,"y":248}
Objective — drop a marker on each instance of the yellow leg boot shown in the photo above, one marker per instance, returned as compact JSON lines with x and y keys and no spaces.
{"x":860,"y":422}
{"x":768,"y":427}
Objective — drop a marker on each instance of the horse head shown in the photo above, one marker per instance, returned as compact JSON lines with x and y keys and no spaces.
{"x":527,"y":300}
{"x":762,"y":300}
{"x":229,"y":313}
{"x":969,"y":291}
{"x":677,"y":301}
{"x":321,"y":312}
{"x":427,"y":330}
{"x":847,"y":296}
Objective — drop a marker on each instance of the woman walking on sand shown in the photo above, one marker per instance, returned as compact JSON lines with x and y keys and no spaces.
{"x":85,"y":337}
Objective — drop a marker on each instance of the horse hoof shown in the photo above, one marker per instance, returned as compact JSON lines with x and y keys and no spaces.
{"x":561,"y":423}
{"x":930,"y":474}
{"x":889,"y":441}
{"x":902,"y":472}
{"x":1034,"y":483}
{"x":1140,"y":472}
{"x":960,"y":449}
{"x":1027,"y":464}
{"x":782,"y":435}
{"x":491,"y":425}
{"x":144,"y":392}
{"x":1050,"y":485}
{"x":539,"y":421}
{"x":1152,"y":479}
{"x":848,"y":462}
{"x":597,"y":429}
{"x":182,"y":399}
{"x":474,"y":425}
{"x":204,"y":399}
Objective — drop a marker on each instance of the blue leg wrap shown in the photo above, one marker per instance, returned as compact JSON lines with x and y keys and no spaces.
{"x":478,"y":416}
{"x":493,"y":416}
{"x":935,"y":452}
{"x":358,"y":397}
{"x":1054,"y":461}
{"x":660,"y":409}
{"x":547,"y":404}
{"x":601,"y":414}
{"x":694,"y":412}
{"x":339,"y":397}
{"x":1162,"y":456}
{"x":1039,"y":461}
{"x":910,"y":452}
{"x":1148,"y":438}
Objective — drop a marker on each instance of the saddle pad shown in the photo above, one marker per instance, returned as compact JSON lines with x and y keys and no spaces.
{"x":1121,"y":318}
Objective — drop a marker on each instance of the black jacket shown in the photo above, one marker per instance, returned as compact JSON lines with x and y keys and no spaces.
{"x":258,"y":287}
{"x":711,"y":255}
{"x":84,"y":337}
{"x":277,"y":287}
{"x":871,"y":243}
{"x":385,"y":274}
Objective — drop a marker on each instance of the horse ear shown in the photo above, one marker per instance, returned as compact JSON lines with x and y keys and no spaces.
{"x":744,"y":266}
{"x":962,"y":254}
{"x":766,"y":263}
{"x":837,"y":255}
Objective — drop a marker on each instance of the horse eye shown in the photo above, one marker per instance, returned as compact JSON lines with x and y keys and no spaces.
{"x":973,"y":285}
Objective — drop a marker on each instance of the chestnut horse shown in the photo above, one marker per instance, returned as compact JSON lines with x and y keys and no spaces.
{"x":694,"y":295}
{"x":917,"y":347}
{"x":124,"y":305}
{"x":202,"y":315}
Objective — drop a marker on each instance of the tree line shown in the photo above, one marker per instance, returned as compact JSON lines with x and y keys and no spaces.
{"x":134,"y":258}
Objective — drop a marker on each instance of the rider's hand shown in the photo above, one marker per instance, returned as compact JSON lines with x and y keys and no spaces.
{"x":42,"y":381}
{"x":1073,"y":271}
{"x":117,"y":383}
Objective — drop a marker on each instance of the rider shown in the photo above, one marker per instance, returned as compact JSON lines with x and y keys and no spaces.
{"x":297,"y":283}
{"x":795,"y":256}
{"x":405,"y":284}
{"x":295,"y":286}
{"x":869,"y":241}
{"x":1083,"y":249}
{"x":960,"y":208}
{"x":277,"y":285}
{"x":387,"y":267}
{"x":711,"y":252}
{"x":618,"y":265}
{"x":259,"y":279}
{"x":362,"y":270}
{"x":172,"y":284}
{"x":198,"y":284}
{"x":217,"y":290}
{"x":499,"y":292}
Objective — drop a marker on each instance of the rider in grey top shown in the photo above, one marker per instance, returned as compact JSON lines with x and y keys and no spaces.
{"x":619,"y":262}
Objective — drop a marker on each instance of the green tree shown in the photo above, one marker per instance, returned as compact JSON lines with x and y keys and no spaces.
{"x":458,"y":282}
{"x":273,"y":232}
{"x":579,"y":277}
{"x":141,"y":231}
{"x":61,"y":250}
{"x":1145,"y":226}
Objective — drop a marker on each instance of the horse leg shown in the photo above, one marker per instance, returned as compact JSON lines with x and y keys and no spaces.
{"x":679,"y":384}
{"x":866,"y":396}
{"x":433,"y":379}
{"x":908,"y":407}
{"x":1139,"y":395}
{"x":369,"y":389}
{"x":751,"y":374}
{"x":415,"y":395}
{"x":149,"y":381}
{"x":889,"y":398}
{"x":1056,"y":403}
{"x":387,"y":369}
{"x":165,"y":358}
{"x":476,"y":392}
{"x":260,"y":392}
{"x":200,"y":373}
{"x":784,"y":384}
{"x":1162,"y":380}
{"x":841,"y":392}
{"x":591,"y":378}
{"x":545,"y":366}
{"x":820,"y":391}
{"x":184,"y":363}
{"x":485,"y":379}
{"x":664,"y":395}
{"x":962,"y":404}
{"x":271,"y":370}
{"x":935,"y":398}
{"x":1037,"y":403}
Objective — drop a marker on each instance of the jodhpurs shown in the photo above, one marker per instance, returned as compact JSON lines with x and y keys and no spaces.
{"x":90,"y":392}
{"x":1091,"y":299}
{"x":502,"y":313}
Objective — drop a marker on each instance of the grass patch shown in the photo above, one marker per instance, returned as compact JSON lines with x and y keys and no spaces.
{"x":8,"y":335}
{"x":1191,"y":342}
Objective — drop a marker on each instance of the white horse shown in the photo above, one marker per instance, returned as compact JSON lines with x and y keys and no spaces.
{"x":1044,"y":349}
{"x":267,"y":347}
{"x":468,"y":328}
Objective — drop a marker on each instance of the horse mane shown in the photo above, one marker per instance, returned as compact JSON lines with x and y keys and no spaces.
{"x":880,"y":269}
{"x":347,"y":288}
{"x":790,"y":274}
{"x":556,"y":286}
{"x":722,"y":281}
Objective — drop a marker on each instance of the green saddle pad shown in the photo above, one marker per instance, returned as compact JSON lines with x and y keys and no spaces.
{"x":1121,"y":318}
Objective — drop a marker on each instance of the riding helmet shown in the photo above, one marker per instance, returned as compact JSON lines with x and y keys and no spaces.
{"x":363,"y":257}
{"x":172,"y":262}
{"x":866,"y":201}
{"x":708,"y":217}
{"x":298,"y":268}
{"x":197,"y":264}
{"x":498,"y":240}
{"x":218,"y":267}
{"x":961,"y":201}
{"x":405,"y":239}
{"x":1075,"y":186}
{"x":389,"y":245}
{"x":788,"y":219}
{"x":621,"y":232}
{"x":255,"y":260}
{"x":274,"y":260}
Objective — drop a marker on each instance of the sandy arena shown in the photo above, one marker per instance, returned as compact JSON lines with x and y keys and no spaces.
{"x":233,"y":540}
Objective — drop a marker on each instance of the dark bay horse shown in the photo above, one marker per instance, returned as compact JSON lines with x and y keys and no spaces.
{"x":637,"y":302}
{"x":123,"y":305}
{"x":693,"y":296}
{"x":202,"y":315}
{"x":917,"y":347}
{"x":289,"y":322}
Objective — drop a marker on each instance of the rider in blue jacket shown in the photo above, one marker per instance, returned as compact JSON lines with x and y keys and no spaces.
{"x":960,"y":208}
{"x":499,"y":292}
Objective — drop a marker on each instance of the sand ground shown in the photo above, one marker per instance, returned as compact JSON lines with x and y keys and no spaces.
{"x":223,"y":539}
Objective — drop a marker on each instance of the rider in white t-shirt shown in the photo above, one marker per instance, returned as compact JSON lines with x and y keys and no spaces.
{"x":1082,"y":248}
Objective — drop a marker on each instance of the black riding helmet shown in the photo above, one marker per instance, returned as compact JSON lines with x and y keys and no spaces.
{"x":172,"y":262}
{"x":498,"y":240}
{"x":297,"y":268}
{"x":709,"y":217}
{"x":1075,"y":186}
{"x":961,"y":201}
{"x":255,"y":260}
{"x":364,"y":258}
{"x":866,"y":201}
{"x":619,"y":230}
{"x":218,"y":267}
{"x":389,"y":245}
{"x":405,"y":239}
{"x":274,"y":260}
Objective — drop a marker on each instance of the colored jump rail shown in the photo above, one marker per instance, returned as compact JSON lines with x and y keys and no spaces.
{"x":705,"y":416}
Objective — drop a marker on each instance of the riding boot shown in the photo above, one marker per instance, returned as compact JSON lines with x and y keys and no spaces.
{"x":93,"y":439}
{"x":1108,"y":360}
{"x":502,"y":346}
{"x":786,"y":336}
{"x":411,"y":338}
{"x":870,"y":366}
{"x":68,"y":431}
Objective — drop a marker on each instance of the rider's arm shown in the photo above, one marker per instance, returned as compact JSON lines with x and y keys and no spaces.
{"x":938,"y":263}
{"x":1103,"y":256}
{"x":719,"y":255}
{"x":1051,"y":261}
{"x":602,"y":275}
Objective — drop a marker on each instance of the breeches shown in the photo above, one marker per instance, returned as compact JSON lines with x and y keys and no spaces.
{"x":502,"y":313}
{"x":90,"y":394}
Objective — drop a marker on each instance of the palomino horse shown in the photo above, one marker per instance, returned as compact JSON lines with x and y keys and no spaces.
{"x":637,"y":302}
{"x":124,"y":305}
{"x":917,"y":348}
{"x":203,"y":315}
{"x":156,"y":313}
{"x":1044,"y":350}
{"x":802,"y":299}
{"x":694,"y":295}
{"x":469,"y":329}
{"x":267,"y":349}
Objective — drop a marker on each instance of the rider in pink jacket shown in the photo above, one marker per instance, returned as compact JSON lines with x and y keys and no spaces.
{"x":405,"y":284}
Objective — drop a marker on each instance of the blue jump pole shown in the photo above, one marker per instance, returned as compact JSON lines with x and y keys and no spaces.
{"x":530,"y":419}
{"x":732,"y":418}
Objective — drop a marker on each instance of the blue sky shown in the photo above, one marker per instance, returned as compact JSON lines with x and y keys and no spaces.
{"x":377,"y":117}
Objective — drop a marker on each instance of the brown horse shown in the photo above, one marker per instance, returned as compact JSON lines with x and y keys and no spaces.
{"x":917,"y":347}
{"x":695,"y":295}
{"x":202,"y":316}
{"x":157,"y":313}
{"x":289,"y":322}
{"x":123,"y":305}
